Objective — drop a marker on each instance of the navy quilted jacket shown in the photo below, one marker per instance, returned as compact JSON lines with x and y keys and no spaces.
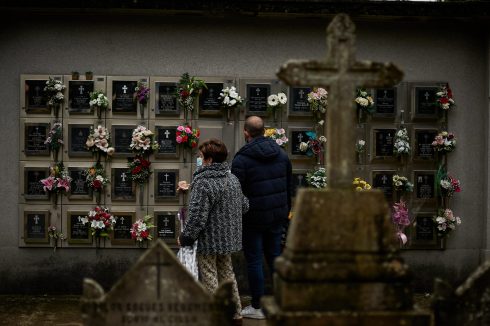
{"x":264,"y":171}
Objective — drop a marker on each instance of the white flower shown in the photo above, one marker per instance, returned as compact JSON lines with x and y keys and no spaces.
{"x":282,"y":98}
{"x":361,"y":142}
{"x":303,"y":146}
{"x":322,"y":139}
{"x":232,"y":102}
{"x":321,"y":122}
{"x":440,"y":219}
{"x":362,"y":101}
{"x":273,"y":100}
{"x":458,"y":220}
{"x":279,"y":142}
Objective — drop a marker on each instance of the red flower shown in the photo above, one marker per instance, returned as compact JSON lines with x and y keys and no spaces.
{"x":97,"y":184}
{"x":193,"y":144}
{"x":184,"y":139}
{"x":443,"y":100}
{"x":198,"y":133}
{"x":145,"y":163}
{"x":184,"y":93}
{"x":145,"y":234}
{"x":136,"y":170}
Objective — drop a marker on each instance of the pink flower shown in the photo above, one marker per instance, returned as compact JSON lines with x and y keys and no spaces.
{"x":400,"y":214}
{"x":179,"y":139}
{"x":48,"y":183}
{"x":188,"y":130}
{"x":180,"y":128}
{"x":64,"y":183}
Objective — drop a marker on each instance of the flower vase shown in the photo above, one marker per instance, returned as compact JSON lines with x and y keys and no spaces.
{"x":359,"y":158}
{"x":55,"y":200}
{"x":360,"y":116}
{"x":274,"y":114}
{"x":55,"y":154}
{"x":141,"y":194}
{"x":445,"y":202}
{"x":142,"y":110}
{"x":99,"y":112}
{"x":228,"y":114}
{"x":98,"y":195}
{"x":143,"y":244}
{"x":98,"y":242}
{"x":56,"y":107}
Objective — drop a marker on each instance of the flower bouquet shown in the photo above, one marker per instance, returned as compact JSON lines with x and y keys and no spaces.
{"x":314,"y":146}
{"x":54,"y":92}
{"x":317,"y":179}
{"x":360,"y":148}
{"x":275,"y":102}
{"x":54,"y":234}
{"x":446,"y":222}
{"x":445,"y":98}
{"x":96,"y":179}
{"x":140,"y":230}
{"x":401,"y":219}
{"x":444,"y":142}
{"x":188,"y":90}
{"x":278,"y":135}
{"x":318,"y":103}
{"x":230,"y":100}
{"x":57,"y":182}
{"x":187,"y":137}
{"x":402,"y":184}
{"x":140,"y":173}
{"x":143,"y":141}
{"x":142,"y":96}
{"x":449,"y":186}
{"x":360,"y":184}
{"x":365,"y":104}
{"x":98,"y":141}
{"x":101,"y":222}
{"x":401,"y":144}
{"x":99,"y":101}
{"x":55,"y":139}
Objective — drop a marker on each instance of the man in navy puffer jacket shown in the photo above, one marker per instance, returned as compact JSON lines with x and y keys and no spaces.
{"x":264,"y":171}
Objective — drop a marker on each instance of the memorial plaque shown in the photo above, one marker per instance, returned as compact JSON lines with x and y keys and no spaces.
{"x":385,"y":102}
{"x":423,"y":144}
{"x":383,"y":180}
{"x":78,"y":233}
{"x":209,"y":98}
{"x":122,"y":229}
{"x":167,"y":226}
{"x":425,"y":185}
{"x":424,"y":228}
{"x":124,"y":97}
{"x":297,"y":137}
{"x":425,"y":102}
{"x":298,"y":104}
{"x":36,"y":227}
{"x":35,"y":136}
{"x":166,"y":137}
{"x":257,"y":98}
{"x":79,"y":96}
{"x":77,"y":139}
{"x":122,"y":187}
{"x":121,"y":138}
{"x":299,"y":181}
{"x":384,"y":140}
{"x":166,"y":99}
{"x":36,"y":101}
{"x":166,"y":184}
{"x":78,"y":186}
{"x":33,"y":188}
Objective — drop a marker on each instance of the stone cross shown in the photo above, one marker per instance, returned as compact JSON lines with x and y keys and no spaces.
{"x":341,"y":74}
{"x":125,"y":88}
{"x":123,"y":177}
{"x":122,"y":219}
{"x":167,"y":133}
{"x":301,"y":93}
{"x":81,"y":88}
{"x":159,"y":264}
{"x":36,"y":219}
{"x":166,"y":175}
{"x":166,"y":220}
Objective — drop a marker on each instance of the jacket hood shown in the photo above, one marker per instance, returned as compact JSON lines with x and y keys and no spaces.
{"x":261,"y":148}
{"x":215,"y":170}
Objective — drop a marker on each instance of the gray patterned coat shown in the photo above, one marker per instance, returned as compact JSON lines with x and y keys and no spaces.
{"x":215,"y":211}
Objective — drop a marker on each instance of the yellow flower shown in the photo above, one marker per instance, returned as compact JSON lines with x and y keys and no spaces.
{"x":269,"y":132}
{"x":91,"y":171}
{"x":358,"y":188}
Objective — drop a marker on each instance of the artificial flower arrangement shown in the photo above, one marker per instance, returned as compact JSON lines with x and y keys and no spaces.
{"x":56,"y":235}
{"x":446,"y":222}
{"x":317,"y":179}
{"x":278,"y":135}
{"x":313,"y":146}
{"x":140,"y":169}
{"x":96,"y":179}
{"x":55,"y":138}
{"x":142,"y":93}
{"x":401,"y":219}
{"x":230,"y":99}
{"x":444,"y":142}
{"x":143,"y":141}
{"x":402,"y":184}
{"x":401,"y":144}
{"x":58,"y":180}
{"x":445,"y":98}
{"x":364,"y":101}
{"x":360,"y":146}
{"x":99,"y":101}
{"x":188,"y":90}
{"x":140,"y":230}
{"x":275,"y":101}
{"x":98,"y":141}
{"x":54,"y":91}
{"x":318,"y":102}
{"x":187,"y":137}
{"x":101,"y":221}
{"x":449,"y":186}
{"x":360,"y":184}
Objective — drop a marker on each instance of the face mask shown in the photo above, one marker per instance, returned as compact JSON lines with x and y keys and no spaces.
{"x":199,"y":161}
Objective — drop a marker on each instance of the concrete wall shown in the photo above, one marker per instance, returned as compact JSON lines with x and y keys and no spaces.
{"x":242,"y":47}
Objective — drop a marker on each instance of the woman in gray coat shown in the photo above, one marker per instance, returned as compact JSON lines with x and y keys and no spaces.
{"x":215,"y":218}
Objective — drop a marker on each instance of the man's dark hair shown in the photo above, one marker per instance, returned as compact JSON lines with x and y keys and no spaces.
{"x":215,"y":149}
{"x":254,"y":126}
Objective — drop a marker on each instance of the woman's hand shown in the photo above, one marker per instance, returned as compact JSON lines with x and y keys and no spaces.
{"x":183,"y":186}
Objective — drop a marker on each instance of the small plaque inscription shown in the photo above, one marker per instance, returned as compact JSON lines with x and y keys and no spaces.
{"x":122,"y":187}
{"x":35,"y":136}
{"x":78,"y":188}
{"x":77,"y":231}
{"x":122,"y":228}
{"x":35,"y":98}
{"x":424,"y":228}
{"x":425,"y":185}
{"x":209,"y":98}
{"x":383,"y":180}
{"x":384,"y":142}
{"x":36,"y":228}
{"x":124,"y":96}
{"x":297,"y":137}
{"x":77,"y":139}
{"x":425,"y":101}
{"x":166,"y":184}
{"x":122,"y":136}
{"x":166,"y":226}
{"x":79,"y":96}
{"x":257,"y":97}
{"x":166,"y":137}
{"x":166,"y":99}
{"x":299,"y":100}
{"x":33,"y":188}
{"x":385,"y":101}
{"x":423,"y":147}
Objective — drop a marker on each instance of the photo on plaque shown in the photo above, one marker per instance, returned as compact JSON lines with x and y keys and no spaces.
{"x":209,"y":102}
{"x":423,"y":233}
{"x":257,"y":95}
{"x":423,"y":150}
{"x":166,"y":138}
{"x":298,"y":101}
{"x":296,"y":137}
{"x":166,"y":185}
{"x":36,"y":226}
{"x":79,"y":96}
{"x":77,"y":139}
{"x":78,"y":186}
{"x":383,"y":143}
{"x":121,"y":139}
{"x":424,"y":102}
{"x":78,"y":233}
{"x":298,"y":181}
{"x":124,"y":97}
{"x":384,"y":103}
{"x":122,"y":186}
{"x":167,"y":226}
{"x":121,"y":234}
{"x":425,"y":187}
{"x":383,"y":180}
{"x":166,"y":99}
{"x":35,"y":136}
{"x":33,"y":188}
{"x":36,"y":101}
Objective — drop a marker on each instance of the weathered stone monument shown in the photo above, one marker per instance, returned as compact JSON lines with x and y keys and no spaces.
{"x":157,"y":290}
{"x":340,"y":265}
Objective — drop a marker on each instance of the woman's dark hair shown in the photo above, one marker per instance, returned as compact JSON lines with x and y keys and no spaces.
{"x":215,"y":149}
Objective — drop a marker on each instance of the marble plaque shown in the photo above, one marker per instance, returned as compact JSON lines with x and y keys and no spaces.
{"x":36,"y":102}
{"x":78,"y":186}
{"x":122,"y":229}
{"x":423,"y":144}
{"x":425,"y":102}
{"x":296,"y":138}
{"x":166,"y":99}
{"x":78,"y":233}
{"x":124,"y":97}
{"x":298,"y":101}
{"x":166,"y":184}
{"x":383,"y":180}
{"x":425,"y":185}
{"x":122,"y":187}
{"x":121,"y":139}
{"x":35,"y":134}
{"x":166,"y":137}
{"x":209,"y":98}
{"x":257,"y":98}
{"x":79,"y":96}
{"x":385,"y":102}
{"x":33,"y":188}
{"x":36,"y":226}
{"x":424,"y":228}
{"x":383,"y":142}
{"x":77,"y":139}
{"x":166,"y":223}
